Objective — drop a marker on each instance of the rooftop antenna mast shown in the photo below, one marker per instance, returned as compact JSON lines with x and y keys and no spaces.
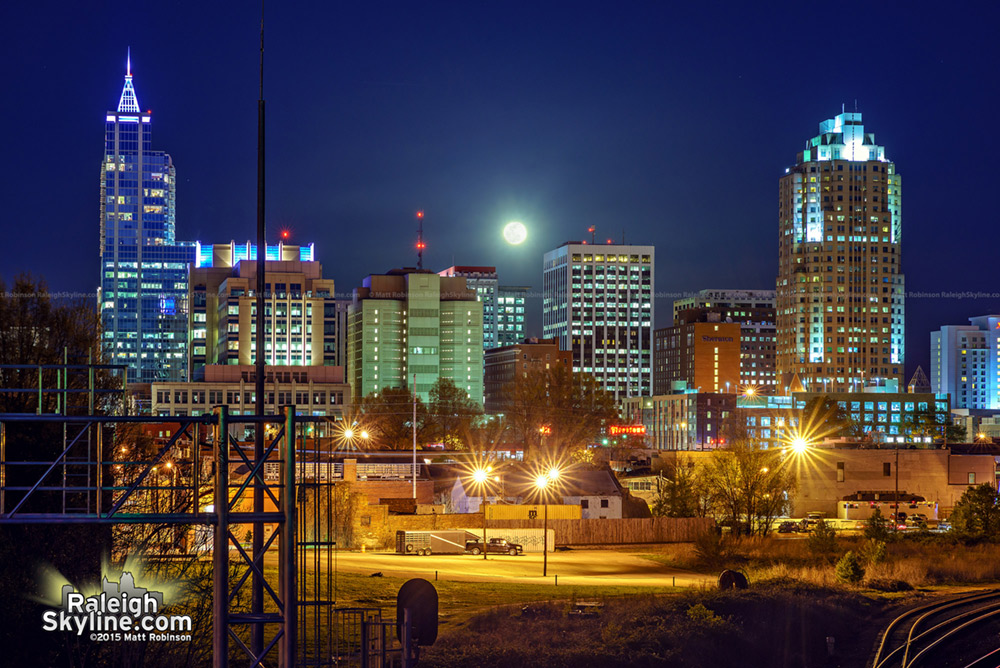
{"x":257,"y":582}
{"x":420,"y":240}
{"x":593,"y":234}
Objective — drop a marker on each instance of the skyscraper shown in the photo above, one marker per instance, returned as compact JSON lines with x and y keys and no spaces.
{"x":840,"y":282}
{"x":598,"y":302}
{"x":143,"y":289}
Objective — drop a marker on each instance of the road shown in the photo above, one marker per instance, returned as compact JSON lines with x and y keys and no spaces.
{"x":574,"y":567}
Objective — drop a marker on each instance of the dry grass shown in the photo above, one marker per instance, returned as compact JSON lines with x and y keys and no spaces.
{"x":920,"y":562}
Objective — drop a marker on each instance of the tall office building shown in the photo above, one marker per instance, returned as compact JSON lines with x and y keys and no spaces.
{"x":143,"y":289}
{"x":299,"y":307}
{"x":414,"y":325}
{"x":511,"y":304}
{"x":753,"y":310}
{"x":484,"y":281}
{"x":965,"y":363}
{"x":598,"y":302}
{"x":840,"y":283}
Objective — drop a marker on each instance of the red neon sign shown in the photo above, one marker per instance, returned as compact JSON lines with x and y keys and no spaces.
{"x":627,"y":430}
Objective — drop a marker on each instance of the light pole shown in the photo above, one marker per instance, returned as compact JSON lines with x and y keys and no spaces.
{"x":481,"y":478}
{"x":543,"y":483}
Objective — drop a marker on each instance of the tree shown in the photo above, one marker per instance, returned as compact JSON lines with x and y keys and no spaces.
{"x":977,"y":513}
{"x":557,"y":411}
{"x":749,"y":484}
{"x":451,"y":414}
{"x":37,"y":330}
{"x":823,"y":417}
{"x":935,"y":425}
{"x":388,"y":417}
{"x":877,"y":526}
{"x":682,"y":493}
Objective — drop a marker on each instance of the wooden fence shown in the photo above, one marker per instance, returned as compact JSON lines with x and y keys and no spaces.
{"x":572,"y":532}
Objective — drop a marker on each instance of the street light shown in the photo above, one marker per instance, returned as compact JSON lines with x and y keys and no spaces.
{"x":481,"y":479}
{"x":543,"y":482}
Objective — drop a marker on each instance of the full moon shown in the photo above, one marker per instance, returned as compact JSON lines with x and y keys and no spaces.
{"x":515,"y":233}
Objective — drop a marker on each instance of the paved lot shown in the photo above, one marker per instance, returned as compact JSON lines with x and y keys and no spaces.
{"x":576,"y":567}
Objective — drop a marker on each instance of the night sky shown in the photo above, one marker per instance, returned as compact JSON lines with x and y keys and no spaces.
{"x":668,"y":123}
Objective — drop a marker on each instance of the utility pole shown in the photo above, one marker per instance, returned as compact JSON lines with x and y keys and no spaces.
{"x":257,"y":582}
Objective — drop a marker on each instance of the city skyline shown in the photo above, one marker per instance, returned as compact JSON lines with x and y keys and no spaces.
{"x":480,"y":118}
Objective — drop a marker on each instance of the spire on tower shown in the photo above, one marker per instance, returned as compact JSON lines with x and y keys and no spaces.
{"x":128,"y":103}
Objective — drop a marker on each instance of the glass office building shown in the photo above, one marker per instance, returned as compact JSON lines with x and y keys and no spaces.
{"x":143,"y":289}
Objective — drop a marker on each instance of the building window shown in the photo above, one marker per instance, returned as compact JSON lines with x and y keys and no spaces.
{"x":972,"y":478}
{"x":584,"y":504}
{"x":840,"y":471}
{"x":887,"y":469}
{"x":604,"y":503}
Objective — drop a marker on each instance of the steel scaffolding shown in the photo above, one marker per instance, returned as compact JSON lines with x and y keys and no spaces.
{"x":90,"y":482}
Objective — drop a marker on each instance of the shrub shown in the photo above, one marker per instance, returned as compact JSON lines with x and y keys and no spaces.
{"x":709,"y":548}
{"x":889,"y":585}
{"x":874,"y":552}
{"x":849,"y":569}
{"x":823,"y":539}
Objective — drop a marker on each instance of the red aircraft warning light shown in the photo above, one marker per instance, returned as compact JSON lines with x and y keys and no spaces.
{"x":420,"y":214}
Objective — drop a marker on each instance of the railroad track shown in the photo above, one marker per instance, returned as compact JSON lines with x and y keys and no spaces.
{"x":937,"y":634}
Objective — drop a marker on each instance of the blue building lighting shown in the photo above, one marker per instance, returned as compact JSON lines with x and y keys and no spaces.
{"x":143,"y":289}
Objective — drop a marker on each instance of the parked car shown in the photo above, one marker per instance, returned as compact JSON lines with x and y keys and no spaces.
{"x":494,"y":546}
{"x":916,"y":521}
{"x":788,"y":527}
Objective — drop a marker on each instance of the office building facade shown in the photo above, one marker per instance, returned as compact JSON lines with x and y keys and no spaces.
{"x":840,"y":287}
{"x":598,"y":303}
{"x":312,"y":390}
{"x":511,"y":313}
{"x":504,"y":365}
{"x":300,"y":309}
{"x":683,"y":419}
{"x":142,"y":298}
{"x":754,"y":311}
{"x":414,"y":326}
{"x":965,"y":363}
{"x":485,"y":283}
{"x":704,"y":355}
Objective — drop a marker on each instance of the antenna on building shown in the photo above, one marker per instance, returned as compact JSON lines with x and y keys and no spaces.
{"x":842,"y":107}
{"x":420,"y":240}
{"x":623,"y":236}
{"x":855,"y":105}
{"x":593,"y":234}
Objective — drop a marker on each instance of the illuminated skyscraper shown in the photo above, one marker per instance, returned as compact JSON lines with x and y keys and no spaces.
{"x":598,"y":303}
{"x":840,"y":282}
{"x":143,"y":290}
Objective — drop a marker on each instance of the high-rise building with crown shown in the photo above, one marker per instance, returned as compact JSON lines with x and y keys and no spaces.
{"x":840,"y":284}
{"x":143,"y":289}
